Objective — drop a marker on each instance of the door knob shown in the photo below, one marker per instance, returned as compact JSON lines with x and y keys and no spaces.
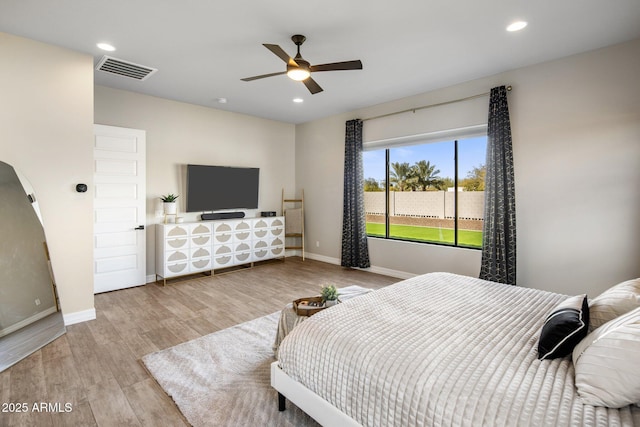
{"x":140,"y":227}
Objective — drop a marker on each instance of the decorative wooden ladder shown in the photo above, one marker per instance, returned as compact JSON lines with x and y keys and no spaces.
{"x":294,"y":221}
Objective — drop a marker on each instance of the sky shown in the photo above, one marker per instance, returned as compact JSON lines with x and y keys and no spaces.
{"x":471,"y":154}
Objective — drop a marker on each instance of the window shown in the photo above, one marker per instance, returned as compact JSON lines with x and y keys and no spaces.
{"x":427,"y":192}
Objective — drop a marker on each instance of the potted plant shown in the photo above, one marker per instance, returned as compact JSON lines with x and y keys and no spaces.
{"x":329,"y":295}
{"x":169,"y":203}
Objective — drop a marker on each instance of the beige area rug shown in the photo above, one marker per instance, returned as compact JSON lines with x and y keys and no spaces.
{"x":223,"y":379}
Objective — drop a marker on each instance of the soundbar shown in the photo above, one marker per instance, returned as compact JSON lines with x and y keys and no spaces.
{"x":221,"y":215}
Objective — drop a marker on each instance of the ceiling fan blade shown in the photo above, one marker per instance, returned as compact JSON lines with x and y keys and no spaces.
{"x":280,"y":53}
{"x":334,"y":66}
{"x":248,"y":79}
{"x":312,"y":85}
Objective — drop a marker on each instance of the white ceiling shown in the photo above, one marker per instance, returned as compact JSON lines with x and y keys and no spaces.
{"x":202,"y":48}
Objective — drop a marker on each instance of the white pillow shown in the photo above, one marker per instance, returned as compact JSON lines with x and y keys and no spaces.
{"x":606,"y":363}
{"x":617,"y":300}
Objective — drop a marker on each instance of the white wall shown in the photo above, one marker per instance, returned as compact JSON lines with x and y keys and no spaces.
{"x":575,"y":124}
{"x":46,"y":133}
{"x":180,"y":133}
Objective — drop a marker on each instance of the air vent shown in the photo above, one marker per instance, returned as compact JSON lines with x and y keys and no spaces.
{"x":124,"y":68}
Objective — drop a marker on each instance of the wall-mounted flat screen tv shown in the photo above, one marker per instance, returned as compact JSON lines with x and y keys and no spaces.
{"x":211,"y":188}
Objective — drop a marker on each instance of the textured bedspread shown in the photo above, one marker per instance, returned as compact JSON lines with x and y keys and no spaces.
{"x":441,"y":350}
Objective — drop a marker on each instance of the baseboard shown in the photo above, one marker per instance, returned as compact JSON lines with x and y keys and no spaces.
{"x":79,"y":317}
{"x":151,"y":278}
{"x":322,"y":258}
{"x":389,"y":272}
{"x":373,"y":269}
{"x":27,"y":321}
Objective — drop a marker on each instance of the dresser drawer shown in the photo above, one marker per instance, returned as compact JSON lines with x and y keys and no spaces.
{"x":173,"y":257}
{"x":198,"y":241}
{"x":200,"y":229}
{"x":176,"y":269}
{"x":202,"y":264}
{"x":200,"y":253}
{"x":224,"y":238}
{"x":222,"y":261}
{"x":176,"y":230}
{"x":171,"y":244}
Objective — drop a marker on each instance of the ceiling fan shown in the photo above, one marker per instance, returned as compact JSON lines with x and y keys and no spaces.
{"x":300,"y":70}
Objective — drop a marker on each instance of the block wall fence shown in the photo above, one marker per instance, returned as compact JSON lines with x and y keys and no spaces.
{"x":426,"y":204}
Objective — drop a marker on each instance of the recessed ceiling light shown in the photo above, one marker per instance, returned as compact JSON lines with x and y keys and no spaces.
{"x":106,"y":46}
{"x":221,"y":100}
{"x":516,"y":26}
{"x":298,"y":100}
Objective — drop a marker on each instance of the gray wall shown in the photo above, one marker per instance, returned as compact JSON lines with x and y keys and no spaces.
{"x":575,"y":124}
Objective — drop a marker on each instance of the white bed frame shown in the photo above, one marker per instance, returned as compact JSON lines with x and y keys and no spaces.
{"x":308,"y":401}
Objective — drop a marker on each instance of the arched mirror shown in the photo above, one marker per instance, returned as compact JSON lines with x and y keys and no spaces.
{"x":30,"y":315}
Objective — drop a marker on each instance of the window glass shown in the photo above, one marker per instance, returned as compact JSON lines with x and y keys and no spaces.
{"x":423,"y":203}
{"x":374,"y":191}
{"x":471,"y":174}
{"x":419,"y":176}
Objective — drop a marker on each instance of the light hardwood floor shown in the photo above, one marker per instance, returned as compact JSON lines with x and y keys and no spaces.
{"x":96,"y":366}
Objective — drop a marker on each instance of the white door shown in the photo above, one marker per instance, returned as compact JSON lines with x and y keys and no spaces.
{"x":119,"y":237}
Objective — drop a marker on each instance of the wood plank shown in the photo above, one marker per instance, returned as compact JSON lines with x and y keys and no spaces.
{"x":5,"y":386}
{"x":80,"y":415}
{"x":102,"y":330}
{"x":28,"y":388}
{"x":63,"y":382}
{"x":160,"y":409}
{"x":110,"y":406}
{"x":202,"y":325}
{"x":162,"y":338}
{"x":123,"y":364}
{"x":57,"y":349}
{"x":138,"y":344}
{"x":83,"y":348}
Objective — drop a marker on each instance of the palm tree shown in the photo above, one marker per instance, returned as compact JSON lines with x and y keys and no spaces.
{"x":424,"y":175}
{"x":399,"y":175}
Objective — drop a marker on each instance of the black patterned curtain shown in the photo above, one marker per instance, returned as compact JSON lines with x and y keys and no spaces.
{"x":355,"y":251}
{"x":499,"y":230}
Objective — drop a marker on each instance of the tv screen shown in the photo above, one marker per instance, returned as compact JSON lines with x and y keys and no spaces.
{"x":211,"y":188}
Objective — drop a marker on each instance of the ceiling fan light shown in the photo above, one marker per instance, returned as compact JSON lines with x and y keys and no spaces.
{"x":298,"y":74}
{"x":516,"y":26}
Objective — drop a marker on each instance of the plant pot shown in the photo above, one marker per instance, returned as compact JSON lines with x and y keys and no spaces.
{"x":330,"y":302}
{"x":170,"y":208}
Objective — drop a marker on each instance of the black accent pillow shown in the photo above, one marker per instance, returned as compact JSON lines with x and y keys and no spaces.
{"x":564,"y":328}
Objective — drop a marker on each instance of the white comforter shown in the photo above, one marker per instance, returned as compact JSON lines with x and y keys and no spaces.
{"x":441,"y":350}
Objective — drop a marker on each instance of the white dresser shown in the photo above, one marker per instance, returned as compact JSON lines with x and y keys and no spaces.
{"x":194,"y":247}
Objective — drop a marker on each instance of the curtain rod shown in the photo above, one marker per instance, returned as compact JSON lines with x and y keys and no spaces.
{"x":468,"y":98}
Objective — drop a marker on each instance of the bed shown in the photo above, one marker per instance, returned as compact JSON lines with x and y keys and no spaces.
{"x":435,"y":350}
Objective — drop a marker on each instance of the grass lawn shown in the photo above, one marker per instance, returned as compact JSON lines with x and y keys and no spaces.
{"x":427,"y":234}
